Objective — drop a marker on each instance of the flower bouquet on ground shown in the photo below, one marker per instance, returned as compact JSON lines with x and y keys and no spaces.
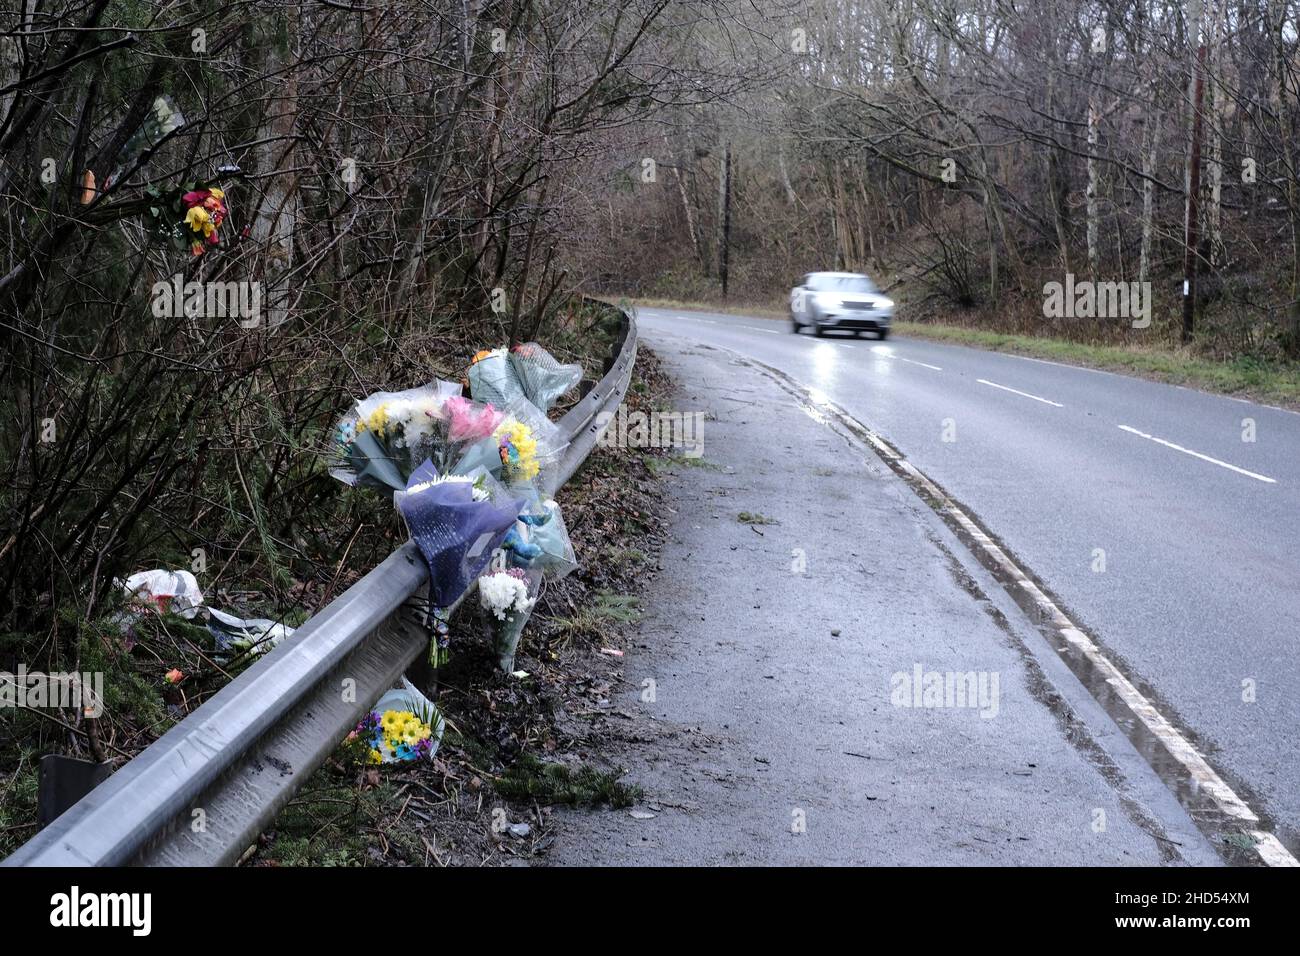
{"x":387,"y":434}
{"x":527,"y":372}
{"x":404,"y":726}
{"x":508,"y":596}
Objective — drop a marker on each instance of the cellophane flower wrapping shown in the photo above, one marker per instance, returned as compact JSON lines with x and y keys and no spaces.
{"x":455,"y":529}
{"x":527,"y":371}
{"x":387,"y":434}
{"x":493,"y":380}
{"x":523,"y":445}
{"x":404,"y":726}
{"x":542,"y":378}
{"x":164,"y":117}
{"x":540,"y":539}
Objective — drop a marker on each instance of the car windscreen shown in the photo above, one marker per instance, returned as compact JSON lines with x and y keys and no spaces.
{"x":841,"y":284}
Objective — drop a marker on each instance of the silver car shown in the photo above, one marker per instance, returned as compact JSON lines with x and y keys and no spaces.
{"x":840,"y":300}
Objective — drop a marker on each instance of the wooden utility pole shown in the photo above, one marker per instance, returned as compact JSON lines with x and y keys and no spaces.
{"x":1191,"y":231}
{"x":724,"y":215}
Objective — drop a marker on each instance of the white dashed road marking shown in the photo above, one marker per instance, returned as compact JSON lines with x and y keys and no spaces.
{"x":1016,"y":391}
{"x":1197,"y":454}
{"x":884,"y":351}
{"x":922,"y":364}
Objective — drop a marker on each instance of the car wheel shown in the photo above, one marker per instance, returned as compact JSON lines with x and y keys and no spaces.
{"x":884,"y":334}
{"x":794,"y":325}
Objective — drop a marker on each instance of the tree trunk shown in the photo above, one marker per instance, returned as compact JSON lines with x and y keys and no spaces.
{"x":1191,"y":221}
{"x":990,"y":225}
{"x":687,"y":208}
{"x":273,"y":226}
{"x":1150,"y":149}
{"x":1094,"y":185}
{"x":724,"y":216}
{"x":1217,"y":111}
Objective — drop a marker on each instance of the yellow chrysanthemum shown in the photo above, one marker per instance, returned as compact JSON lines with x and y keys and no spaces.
{"x":376,"y":421}
{"x":218,"y":193}
{"x":521,"y":437}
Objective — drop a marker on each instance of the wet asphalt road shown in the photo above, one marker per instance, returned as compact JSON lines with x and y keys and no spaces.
{"x":1076,"y":470}
{"x":760,"y":703}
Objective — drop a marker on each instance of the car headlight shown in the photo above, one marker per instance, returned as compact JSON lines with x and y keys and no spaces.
{"x":884,"y":303}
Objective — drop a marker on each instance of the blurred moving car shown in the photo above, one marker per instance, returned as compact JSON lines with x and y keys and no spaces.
{"x":840,"y":300}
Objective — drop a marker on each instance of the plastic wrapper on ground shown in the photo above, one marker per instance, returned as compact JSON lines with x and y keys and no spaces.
{"x":175,"y":592}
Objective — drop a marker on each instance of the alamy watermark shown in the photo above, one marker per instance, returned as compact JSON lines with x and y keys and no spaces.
{"x":178,"y":299}
{"x":36,"y":690}
{"x":75,"y":908}
{"x":1098,"y":300}
{"x":977,"y":690}
{"x":624,"y":429}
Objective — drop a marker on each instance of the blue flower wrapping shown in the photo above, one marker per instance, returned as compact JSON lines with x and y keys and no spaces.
{"x":455,"y":533}
{"x":542,"y":543}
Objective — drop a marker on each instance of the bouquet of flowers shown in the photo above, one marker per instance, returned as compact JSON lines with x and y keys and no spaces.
{"x":387,"y":434}
{"x":506,"y":595}
{"x":520,"y":445}
{"x":477,"y":463}
{"x":456,"y":521}
{"x":403,"y":726}
{"x":492,"y":379}
{"x":188,"y":217}
{"x":527,"y":372}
